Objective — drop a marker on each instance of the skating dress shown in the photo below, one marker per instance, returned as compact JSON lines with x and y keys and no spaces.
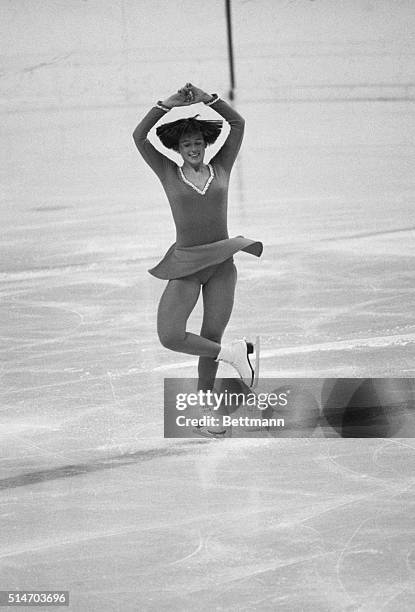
{"x":200,"y":215}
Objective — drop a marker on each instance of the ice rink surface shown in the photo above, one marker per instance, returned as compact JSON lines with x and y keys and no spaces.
{"x":93,"y":499}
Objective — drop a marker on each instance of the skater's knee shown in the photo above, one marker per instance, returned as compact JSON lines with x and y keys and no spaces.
{"x":171,"y":339}
{"x":214,"y":336}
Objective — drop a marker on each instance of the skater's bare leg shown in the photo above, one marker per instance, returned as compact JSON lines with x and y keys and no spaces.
{"x":218,"y":298}
{"x":176,"y":304}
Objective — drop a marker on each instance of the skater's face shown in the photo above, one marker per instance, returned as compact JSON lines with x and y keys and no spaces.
{"x":192,"y":148}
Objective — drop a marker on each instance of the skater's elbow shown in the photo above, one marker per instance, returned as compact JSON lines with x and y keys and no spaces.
{"x":137,"y":137}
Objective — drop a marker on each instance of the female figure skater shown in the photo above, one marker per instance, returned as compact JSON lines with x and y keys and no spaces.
{"x":201,"y":257}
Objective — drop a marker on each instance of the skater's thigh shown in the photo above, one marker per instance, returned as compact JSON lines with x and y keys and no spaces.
{"x":177,"y":302}
{"x":218,"y":298}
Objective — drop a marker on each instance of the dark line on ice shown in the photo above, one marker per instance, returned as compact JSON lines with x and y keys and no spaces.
{"x":366,"y":234}
{"x":47,"y":63}
{"x":108,"y":463}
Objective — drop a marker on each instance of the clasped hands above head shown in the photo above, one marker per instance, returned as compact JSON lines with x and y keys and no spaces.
{"x":187,"y":95}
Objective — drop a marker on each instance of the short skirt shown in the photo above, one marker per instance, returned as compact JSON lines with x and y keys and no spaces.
{"x":183,"y":261}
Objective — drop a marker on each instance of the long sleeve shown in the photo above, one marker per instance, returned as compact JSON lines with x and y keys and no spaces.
{"x":227,"y":154}
{"x":156,"y":160}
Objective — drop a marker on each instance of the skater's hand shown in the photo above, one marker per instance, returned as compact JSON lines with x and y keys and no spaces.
{"x":180,"y":98}
{"x":194,"y":94}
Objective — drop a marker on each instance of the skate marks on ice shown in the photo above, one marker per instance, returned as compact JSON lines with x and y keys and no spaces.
{"x":376,"y":565}
{"x":259,"y":525}
{"x":277,"y":552}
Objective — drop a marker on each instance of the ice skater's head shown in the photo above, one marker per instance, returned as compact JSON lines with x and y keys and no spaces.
{"x":189,"y":137}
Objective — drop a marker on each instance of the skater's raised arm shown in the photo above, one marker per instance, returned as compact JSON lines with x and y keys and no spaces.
{"x":156,"y":160}
{"x":228,"y":152}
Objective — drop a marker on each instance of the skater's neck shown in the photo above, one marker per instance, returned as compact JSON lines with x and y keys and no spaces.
{"x":193,"y":168}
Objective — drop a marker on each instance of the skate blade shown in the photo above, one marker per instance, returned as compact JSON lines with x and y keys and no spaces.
{"x":254,"y":349}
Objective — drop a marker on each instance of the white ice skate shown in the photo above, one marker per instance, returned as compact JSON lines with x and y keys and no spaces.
{"x":243,"y":355}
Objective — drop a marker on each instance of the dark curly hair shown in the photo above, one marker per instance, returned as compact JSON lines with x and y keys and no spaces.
{"x":170,"y":133}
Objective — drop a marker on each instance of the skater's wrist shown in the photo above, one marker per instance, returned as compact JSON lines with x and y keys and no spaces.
{"x":209,"y":99}
{"x":163,"y":106}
